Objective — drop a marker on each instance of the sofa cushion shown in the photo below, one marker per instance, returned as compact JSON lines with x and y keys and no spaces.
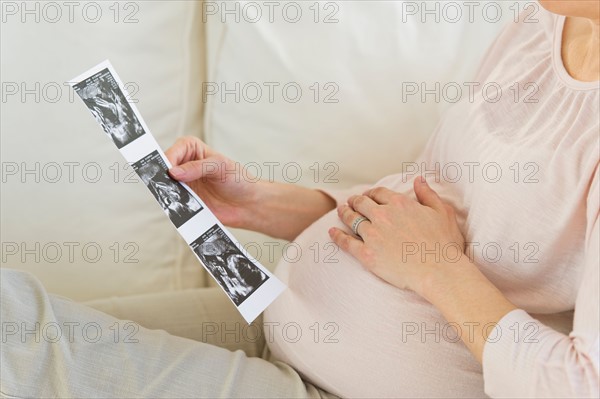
{"x":73,"y":212}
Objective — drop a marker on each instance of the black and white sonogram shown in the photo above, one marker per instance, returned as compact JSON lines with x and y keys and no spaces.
{"x":103,"y":97}
{"x":234,"y":272}
{"x":175,"y":200}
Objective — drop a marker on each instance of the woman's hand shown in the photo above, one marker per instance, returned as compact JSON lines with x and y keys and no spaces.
{"x":238,"y":199}
{"x":403,"y":241}
{"x":418,"y":246}
{"x":216,"y":179}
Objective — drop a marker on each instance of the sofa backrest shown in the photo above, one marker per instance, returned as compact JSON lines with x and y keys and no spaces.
{"x":360,"y":84}
{"x":318,"y":93}
{"x":73,"y":212}
{"x":337,"y":93}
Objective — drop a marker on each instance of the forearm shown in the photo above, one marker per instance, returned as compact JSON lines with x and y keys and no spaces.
{"x":285,"y":210}
{"x":466,"y":297}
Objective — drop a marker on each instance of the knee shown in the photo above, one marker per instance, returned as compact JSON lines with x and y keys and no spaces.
{"x":18,"y":283}
{"x":22,"y":297}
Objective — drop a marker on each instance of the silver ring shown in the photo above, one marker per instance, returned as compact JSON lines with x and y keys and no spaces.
{"x":357,"y":223}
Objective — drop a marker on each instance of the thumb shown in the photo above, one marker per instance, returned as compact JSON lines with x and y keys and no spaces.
{"x":426,"y":196}
{"x":194,"y":170}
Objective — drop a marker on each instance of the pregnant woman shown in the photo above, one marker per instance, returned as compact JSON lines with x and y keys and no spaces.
{"x":482,"y":283}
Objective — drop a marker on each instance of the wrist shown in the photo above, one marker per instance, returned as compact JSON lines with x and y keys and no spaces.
{"x":283,"y":210}
{"x":460,"y":283}
{"x":446,"y":277}
{"x":251,"y":216}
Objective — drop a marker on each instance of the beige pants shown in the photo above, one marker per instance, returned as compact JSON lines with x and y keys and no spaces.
{"x":173,"y":345}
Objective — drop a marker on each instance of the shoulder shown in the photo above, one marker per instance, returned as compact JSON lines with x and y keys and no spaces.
{"x":531,"y":31}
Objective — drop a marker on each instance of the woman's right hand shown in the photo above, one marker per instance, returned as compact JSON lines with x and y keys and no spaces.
{"x":217,"y":180}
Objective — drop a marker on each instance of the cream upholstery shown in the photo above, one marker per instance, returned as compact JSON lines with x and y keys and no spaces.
{"x":365,"y":62}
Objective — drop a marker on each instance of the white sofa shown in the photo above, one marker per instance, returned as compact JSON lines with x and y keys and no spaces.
{"x":322,"y":94}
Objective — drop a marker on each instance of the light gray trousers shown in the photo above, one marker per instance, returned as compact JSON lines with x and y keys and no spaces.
{"x":172,"y":345}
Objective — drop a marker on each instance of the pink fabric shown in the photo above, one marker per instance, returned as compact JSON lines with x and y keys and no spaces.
{"x":527,"y":200}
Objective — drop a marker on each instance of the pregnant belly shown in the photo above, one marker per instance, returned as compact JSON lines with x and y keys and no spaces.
{"x":352,"y":334}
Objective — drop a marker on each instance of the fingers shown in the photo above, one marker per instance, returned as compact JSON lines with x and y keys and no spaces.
{"x":363,"y":205}
{"x":384,"y":196}
{"x":380,"y":195}
{"x":185,"y":149}
{"x":349,"y":215}
{"x":191,"y":160}
{"x":426,"y":196}
{"x":346,"y":242}
{"x":188,"y":171}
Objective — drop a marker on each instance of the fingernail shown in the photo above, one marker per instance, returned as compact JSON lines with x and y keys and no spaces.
{"x":177,"y":171}
{"x":331,"y":231}
{"x":423,"y":180}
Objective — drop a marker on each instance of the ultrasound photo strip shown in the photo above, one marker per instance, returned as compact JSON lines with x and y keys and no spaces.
{"x":177,"y":202}
{"x":106,"y":101}
{"x":233,"y":271}
{"x":247,"y":283}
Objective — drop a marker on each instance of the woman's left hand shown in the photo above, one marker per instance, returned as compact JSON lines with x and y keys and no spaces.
{"x":403,"y":241}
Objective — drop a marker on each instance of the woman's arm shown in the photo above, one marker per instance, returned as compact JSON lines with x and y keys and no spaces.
{"x":528,"y":358}
{"x":516,"y":362}
{"x":237,"y":199}
{"x":284,"y":210}
{"x":466,"y":297}
{"x":406,"y":243}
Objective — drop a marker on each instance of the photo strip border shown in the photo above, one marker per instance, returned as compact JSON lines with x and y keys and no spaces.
{"x":203,"y":220}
